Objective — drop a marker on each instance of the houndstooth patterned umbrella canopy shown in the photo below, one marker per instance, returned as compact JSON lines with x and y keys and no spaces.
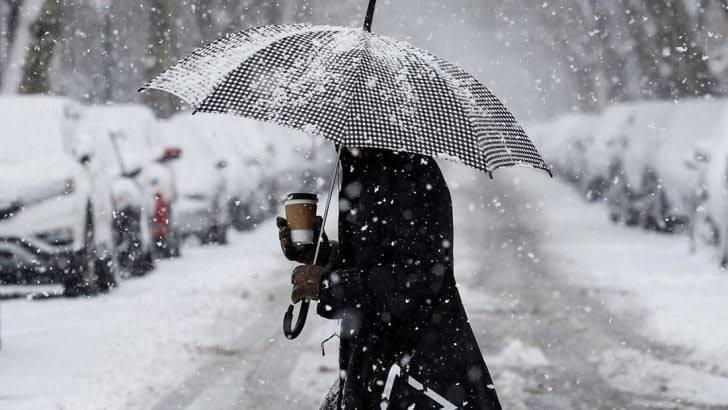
{"x":355,"y":88}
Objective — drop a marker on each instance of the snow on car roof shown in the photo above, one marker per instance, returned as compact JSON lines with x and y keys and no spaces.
{"x":36,"y":125}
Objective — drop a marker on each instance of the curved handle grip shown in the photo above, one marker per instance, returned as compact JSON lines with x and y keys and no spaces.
{"x":292,"y":333}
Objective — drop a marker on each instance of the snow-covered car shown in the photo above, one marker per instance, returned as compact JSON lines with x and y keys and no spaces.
{"x":55,"y":202}
{"x":632,"y":179}
{"x":158,"y":177}
{"x":564,"y":142}
{"x":225,"y":137}
{"x":144,"y":185}
{"x":202,"y":195}
{"x":679,"y":157}
{"x":661,"y":157}
{"x":711,"y":167}
{"x":246,"y":146}
{"x":294,"y":162}
{"x":603,"y":167}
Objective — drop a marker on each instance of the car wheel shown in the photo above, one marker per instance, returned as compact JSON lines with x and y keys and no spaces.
{"x":614,"y":216}
{"x":213,"y":235}
{"x":107,"y":274}
{"x":80,"y":277}
{"x":169,"y":247}
{"x":73,"y":278}
{"x":217,"y":235}
{"x":129,"y":242}
{"x":142,"y":265}
{"x":174,"y":245}
{"x":162,"y":248}
{"x":222,"y":235}
{"x":237,"y":214}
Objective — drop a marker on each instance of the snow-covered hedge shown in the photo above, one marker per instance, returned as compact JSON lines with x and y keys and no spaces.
{"x":660,"y":165}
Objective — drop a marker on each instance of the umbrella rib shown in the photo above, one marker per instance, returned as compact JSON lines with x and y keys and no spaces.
{"x":358,"y":71}
{"x":431,"y":61}
{"x":506,"y":148}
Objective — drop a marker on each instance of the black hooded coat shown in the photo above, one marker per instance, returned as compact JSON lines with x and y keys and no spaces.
{"x":404,"y":338}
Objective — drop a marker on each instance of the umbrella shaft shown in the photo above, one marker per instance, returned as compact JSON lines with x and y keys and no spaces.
{"x":334,"y":175}
{"x":370,"y":16}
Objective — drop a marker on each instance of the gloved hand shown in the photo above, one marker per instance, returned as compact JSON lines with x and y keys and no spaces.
{"x":303,"y":253}
{"x":306,"y":280}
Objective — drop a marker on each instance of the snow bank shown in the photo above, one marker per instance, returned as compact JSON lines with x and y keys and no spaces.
{"x":518,"y":354}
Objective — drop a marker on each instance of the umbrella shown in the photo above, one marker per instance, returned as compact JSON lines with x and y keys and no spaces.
{"x":355,"y":88}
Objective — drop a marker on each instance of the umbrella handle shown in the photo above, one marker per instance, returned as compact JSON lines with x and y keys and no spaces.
{"x":292,"y":333}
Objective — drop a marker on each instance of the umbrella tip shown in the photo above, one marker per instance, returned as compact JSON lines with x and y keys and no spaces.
{"x":141,"y":89}
{"x":490,"y":174}
{"x":370,"y":16}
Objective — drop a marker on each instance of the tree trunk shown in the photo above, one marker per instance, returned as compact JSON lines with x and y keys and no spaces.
{"x":162,"y":51}
{"x":646,"y":52}
{"x":9,"y":17}
{"x":611,"y":62}
{"x":45,"y":32}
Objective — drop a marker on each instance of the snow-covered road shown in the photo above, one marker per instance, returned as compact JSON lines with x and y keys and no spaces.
{"x":553,"y":335}
{"x":205,"y":331}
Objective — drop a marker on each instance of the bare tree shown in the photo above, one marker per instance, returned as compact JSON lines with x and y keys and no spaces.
{"x":608,"y":34}
{"x":687,"y":72}
{"x":162,"y":51}
{"x":9,"y":19}
{"x":45,"y":32}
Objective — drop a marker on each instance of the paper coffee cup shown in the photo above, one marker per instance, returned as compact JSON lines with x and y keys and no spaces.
{"x":301,"y":216}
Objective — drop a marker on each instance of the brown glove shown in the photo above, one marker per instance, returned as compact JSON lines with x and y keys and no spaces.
{"x":303,"y":253}
{"x":306,"y":280}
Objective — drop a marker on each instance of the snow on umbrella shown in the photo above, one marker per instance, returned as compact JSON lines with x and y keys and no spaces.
{"x":356,"y":89}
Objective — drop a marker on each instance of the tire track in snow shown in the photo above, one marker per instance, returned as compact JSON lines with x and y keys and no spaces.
{"x":570,"y":325}
{"x":255,"y":372}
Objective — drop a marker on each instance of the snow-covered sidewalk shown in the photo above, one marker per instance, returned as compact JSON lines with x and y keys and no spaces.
{"x":127,"y":348}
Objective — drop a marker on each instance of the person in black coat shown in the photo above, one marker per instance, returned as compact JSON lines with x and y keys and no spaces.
{"x":404,"y":338}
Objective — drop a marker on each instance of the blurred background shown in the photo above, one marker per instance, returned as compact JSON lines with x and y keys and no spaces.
{"x":604,"y":287}
{"x":542,"y":57}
